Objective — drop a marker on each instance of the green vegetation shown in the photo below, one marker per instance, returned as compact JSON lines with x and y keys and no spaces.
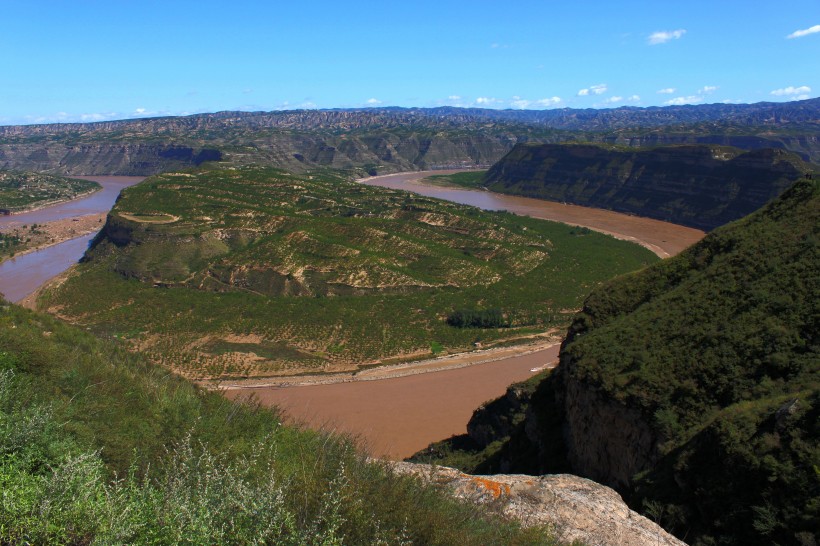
{"x":98,"y":446}
{"x":699,"y":186}
{"x":10,"y":243}
{"x":718,"y":348}
{"x":320,"y":273}
{"x":469,"y":179}
{"x":478,"y":318}
{"x":19,"y":239}
{"x":23,"y":190}
{"x":713,"y":358}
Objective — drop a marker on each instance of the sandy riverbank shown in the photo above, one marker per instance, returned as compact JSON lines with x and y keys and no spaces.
{"x":393,"y":371}
{"x":51,"y":233}
{"x":399,"y":416}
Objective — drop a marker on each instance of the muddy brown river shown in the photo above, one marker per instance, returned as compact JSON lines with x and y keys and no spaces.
{"x":397,"y":417}
{"x":393,"y":417}
{"x":22,"y":275}
{"x":662,"y":238}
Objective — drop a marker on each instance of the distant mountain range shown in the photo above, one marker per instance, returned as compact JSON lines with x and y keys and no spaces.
{"x":589,"y":119}
{"x":378,"y":140}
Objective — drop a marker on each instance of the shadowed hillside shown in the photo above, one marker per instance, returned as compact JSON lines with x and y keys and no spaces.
{"x":383,"y":140}
{"x":697,"y":186}
{"x":692,"y":386}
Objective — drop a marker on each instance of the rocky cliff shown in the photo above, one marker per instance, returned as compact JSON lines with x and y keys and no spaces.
{"x":128,"y":159}
{"x":697,"y":186}
{"x":390,"y":139}
{"x":577,"y":509}
{"x":692,"y":387}
{"x":372,"y":153}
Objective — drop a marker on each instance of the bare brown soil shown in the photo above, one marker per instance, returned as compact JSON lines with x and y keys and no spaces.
{"x":662,"y":238}
{"x":398,"y":416}
{"x":398,"y":410}
{"x":51,"y":233}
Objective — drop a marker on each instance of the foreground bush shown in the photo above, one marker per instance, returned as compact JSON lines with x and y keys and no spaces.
{"x":96,"y":446}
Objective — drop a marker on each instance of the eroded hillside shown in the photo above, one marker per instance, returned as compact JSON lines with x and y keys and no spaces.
{"x":251,"y":271}
{"x":692,"y":386}
{"x":697,"y":186}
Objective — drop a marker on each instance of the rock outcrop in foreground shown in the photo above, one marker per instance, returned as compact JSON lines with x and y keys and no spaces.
{"x":692,"y":387}
{"x":577,"y":508}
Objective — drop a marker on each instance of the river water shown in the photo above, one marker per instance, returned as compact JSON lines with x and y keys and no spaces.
{"x":662,"y":238}
{"x":22,"y":275}
{"x":393,"y":417}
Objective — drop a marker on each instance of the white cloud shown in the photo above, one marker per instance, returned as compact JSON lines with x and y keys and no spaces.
{"x":551,"y":101}
{"x":805,"y":32}
{"x":454,"y":97}
{"x":144,"y":113}
{"x":663,"y":36}
{"x":96,"y":116}
{"x":373,"y":102}
{"x":487,"y":101}
{"x":594,"y":89}
{"x":706,"y":89}
{"x":667,"y":91}
{"x":678,"y":101}
{"x":789,"y":91}
{"x":518,"y":102}
{"x":65,"y":117}
{"x":617,"y":99}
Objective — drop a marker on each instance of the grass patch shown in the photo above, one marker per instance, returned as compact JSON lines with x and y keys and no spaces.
{"x":469,"y":179}
{"x":98,"y":446}
{"x":23,"y":190}
{"x":343,"y":272}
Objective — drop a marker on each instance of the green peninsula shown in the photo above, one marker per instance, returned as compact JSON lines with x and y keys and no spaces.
{"x":21,"y":191}
{"x":253,"y":271}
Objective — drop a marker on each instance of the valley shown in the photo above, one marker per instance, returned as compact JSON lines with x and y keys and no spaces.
{"x":256,"y":272}
{"x":61,"y":235}
{"x":362,"y":311}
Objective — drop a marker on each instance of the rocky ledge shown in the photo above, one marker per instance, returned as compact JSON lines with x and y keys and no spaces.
{"x":578,"y":509}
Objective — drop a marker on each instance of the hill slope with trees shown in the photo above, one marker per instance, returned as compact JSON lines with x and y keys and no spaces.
{"x":697,"y":186}
{"x":692,"y":386}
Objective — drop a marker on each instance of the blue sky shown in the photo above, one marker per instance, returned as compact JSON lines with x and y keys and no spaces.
{"x":87,"y":60}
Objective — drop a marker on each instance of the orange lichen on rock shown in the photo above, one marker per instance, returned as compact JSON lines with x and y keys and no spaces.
{"x":495,"y":489}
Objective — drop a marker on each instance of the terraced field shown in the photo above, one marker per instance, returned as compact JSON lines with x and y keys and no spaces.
{"x":26,"y":190}
{"x":250,"y":272}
